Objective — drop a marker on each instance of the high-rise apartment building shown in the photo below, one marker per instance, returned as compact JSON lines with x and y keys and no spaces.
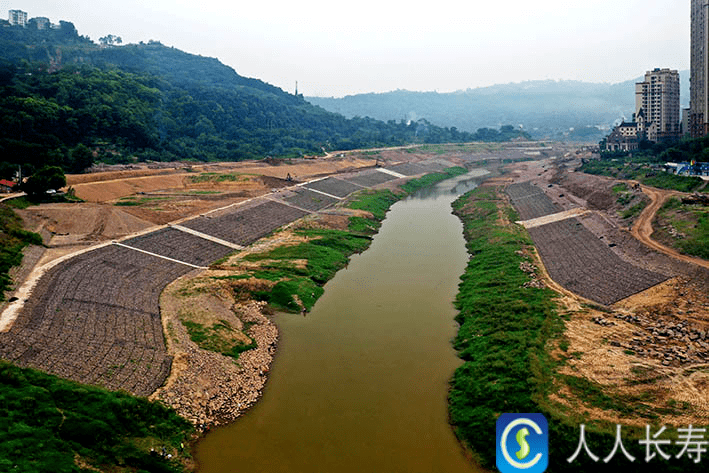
{"x":657,"y":105}
{"x":18,"y":18}
{"x":699,"y":76}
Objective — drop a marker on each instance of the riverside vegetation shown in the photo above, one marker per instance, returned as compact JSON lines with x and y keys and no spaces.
{"x":53,"y":425}
{"x":511,"y":339}
{"x":684,"y":226}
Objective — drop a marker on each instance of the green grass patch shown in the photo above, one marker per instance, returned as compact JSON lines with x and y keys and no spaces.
{"x":375,"y":202}
{"x":635,"y":210}
{"x":642,"y":171}
{"x":13,"y":239}
{"x":133,"y":201}
{"x":299,"y":286}
{"x":216,"y":338}
{"x":692,"y":221}
{"x":620,"y":188}
{"x":503,"y":327}
{"x":45,"y":422}
{"x":431,"y":179}
{"x":217,"y":177}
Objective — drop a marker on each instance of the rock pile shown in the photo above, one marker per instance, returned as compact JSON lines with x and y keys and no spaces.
{"x":675,"y":342}
{"x":531,"y":270}
{"x":210,"y":389}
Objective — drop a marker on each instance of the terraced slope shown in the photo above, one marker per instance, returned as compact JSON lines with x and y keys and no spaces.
{"x":96,"y":319}
{"x":574,"y":256}
{"x":370,"y":178}
{"x":333,"y":186}
{"x":244,"y":226}
{"x":531,"y":201}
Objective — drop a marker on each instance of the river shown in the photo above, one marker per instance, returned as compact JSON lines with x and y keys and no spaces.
{"x":360,"y":383}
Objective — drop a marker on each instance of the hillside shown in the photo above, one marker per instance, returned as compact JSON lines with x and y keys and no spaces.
{"x":67,"y":101}
{"x":547,"y":109}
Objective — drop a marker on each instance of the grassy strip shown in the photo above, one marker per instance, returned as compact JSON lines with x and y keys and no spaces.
{"x":13,"y":238}
{"x":641,"y":171}
{"x":503,"y":326}
{"x":216,"y":177}
{"x":430,"y":179}
{"x":505,"y":338}
{"x":326,"y":251}
{"x":692,"y":223}
{"x":52,"y":425}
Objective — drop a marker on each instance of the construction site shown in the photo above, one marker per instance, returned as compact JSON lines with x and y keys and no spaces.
{"x":88,"y":305}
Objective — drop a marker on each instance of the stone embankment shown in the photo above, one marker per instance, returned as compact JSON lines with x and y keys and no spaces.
{"x":208,"y":388}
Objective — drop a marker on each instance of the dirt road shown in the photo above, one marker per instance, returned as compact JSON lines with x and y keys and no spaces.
{"x":642,"y":230}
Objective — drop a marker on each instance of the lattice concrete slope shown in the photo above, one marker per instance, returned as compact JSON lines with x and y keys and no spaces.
{"x":244,"y":226}
{"x":579,"y":261}
{"x":95,"y":319}
{"x":370,"y":178}
{"x":574,"y":256}
{"x":530,"y":201}
{"x":180,"y":246}
{"x":408,"y":169}
{"x":309,"y":200}
{"x":333,"y":186}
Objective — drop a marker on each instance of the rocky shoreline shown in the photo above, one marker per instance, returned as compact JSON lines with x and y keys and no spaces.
{"x":209,"y":388}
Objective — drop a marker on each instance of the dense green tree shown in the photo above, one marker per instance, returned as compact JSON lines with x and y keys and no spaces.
{"x":81,"y":158}
{"x":151,"y":102}
{"x":47,"y":178}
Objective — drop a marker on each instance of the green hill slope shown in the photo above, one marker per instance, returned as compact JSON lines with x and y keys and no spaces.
{"x":60,"y":92}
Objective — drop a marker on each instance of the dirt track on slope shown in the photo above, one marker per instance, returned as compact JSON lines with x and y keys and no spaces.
{"x":642,"y":230}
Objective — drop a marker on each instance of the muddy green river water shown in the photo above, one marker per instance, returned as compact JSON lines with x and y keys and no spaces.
{"x":360,"y":384}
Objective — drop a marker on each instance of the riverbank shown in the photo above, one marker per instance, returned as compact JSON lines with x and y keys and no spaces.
{"x":528,"y":349}
{"x":218,"y":322}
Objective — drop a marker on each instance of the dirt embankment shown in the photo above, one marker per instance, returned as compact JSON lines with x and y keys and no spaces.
{"x":111,"y":185}
{"x":648,"y":354}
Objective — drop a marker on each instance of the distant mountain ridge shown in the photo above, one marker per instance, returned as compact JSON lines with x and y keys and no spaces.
{"x":64,"y":99}
{"x":545,"y":108}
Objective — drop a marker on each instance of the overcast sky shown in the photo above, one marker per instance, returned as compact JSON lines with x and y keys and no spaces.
{"x":340,"y":48}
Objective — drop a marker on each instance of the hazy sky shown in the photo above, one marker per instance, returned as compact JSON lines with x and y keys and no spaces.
{"x":339,"y":48}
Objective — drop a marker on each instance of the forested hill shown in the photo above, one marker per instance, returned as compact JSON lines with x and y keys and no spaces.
{"x":67,"y":101}
{"x":546,"y":108}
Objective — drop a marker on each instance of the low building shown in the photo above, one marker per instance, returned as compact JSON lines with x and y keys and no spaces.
{"x":6,"y":186}
{"x":688,"y":169}
{"x":624,"y":137}
{"x":41,"y":23}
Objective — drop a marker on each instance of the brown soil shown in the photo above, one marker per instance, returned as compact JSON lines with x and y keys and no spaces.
{"x":111,"y":185}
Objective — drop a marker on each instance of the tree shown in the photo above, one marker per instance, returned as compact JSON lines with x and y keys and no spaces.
{"x":81,"y":158}
{"x":47,"y":178}
{"x":111,"y":40}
